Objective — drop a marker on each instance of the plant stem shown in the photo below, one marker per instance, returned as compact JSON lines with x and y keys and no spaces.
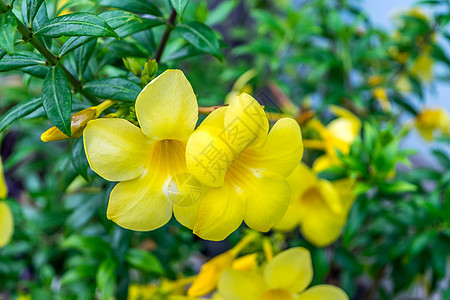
{"x":166,"y":34}
{"x":52,"y":60}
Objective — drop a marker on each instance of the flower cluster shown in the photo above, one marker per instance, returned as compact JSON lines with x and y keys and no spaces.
{"x":229,"y":170}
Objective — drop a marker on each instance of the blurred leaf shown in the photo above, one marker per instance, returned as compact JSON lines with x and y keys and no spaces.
{"x":57,"y":99}
{"x":201,"y":37}
{"x":20,"y":110}
{"x":79,"y":160}
{"x":144,"y":261}
{"x":8,"y":24}
{"x":106,"y":278}
{"x":77,"y":24}
{"x":179,"y":6}
{"x":398,"y":186}
{"x":135,"y":6}
{"x":221,"y":12}
{"x":137,"y":25}
{"x":90,"y":245}
{"x":113,"y":88}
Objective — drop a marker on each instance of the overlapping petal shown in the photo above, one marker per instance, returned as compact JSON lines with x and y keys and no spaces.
{"x":241,"y":285}
{"x":167,"y":107}
{"x":6,"y":224}
{"x":290,"y":270}
{"x":116,"y":149}
{"x":323,"y":292}
{"x":245,"y":124}
{"x":221,"y":212}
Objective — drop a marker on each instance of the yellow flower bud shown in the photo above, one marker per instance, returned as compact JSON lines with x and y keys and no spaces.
{"x":3,"y":186}
{"x":78,"y":123}
{"x":431,"y":120}
{"x":247,"y":262}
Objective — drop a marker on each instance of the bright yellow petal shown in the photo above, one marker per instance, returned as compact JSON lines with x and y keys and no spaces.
{"x":267,"y":196}
{"x":186,"y":197}
{"x":345,"y":188}
{"x":245,"y":123}
{"x":324,"y":162}
{"x":323,"y":292}
{"x":241,"y":285}
{"x":145,"y":203}
{"x":116,"y":149}
{"x":343,"y":130}
{"x":3,"y":186}
{"x":209,"y":275}
{"x":331,"y":196}
{"x":283,"y":149}
{"x":277,"y":294}
{"x":6,"y":224}
{"x":208,"y":156}
{"x":221,"y":212}
{"x":291,"y":270}
{"x":301,"y":179}
{"x":167,"y":107}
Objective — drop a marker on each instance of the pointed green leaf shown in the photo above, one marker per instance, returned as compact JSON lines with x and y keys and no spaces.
{"x":114,"y":18}
{"x":179,"y":6}
{"x":106,"y":278}
{"x":32,"y":9}
{"x":113,"y":88}
{"x":145,"y":261}
{"x":77,"y":24}
{"x":20,"y":110}
{"x":8,"y":24}
{"x":20,"y":60}
{"x":135,"y":6}
{"x":201,"y":37}
{"x":57,"y":99}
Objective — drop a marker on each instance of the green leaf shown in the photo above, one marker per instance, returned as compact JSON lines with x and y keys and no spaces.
{"x":57,"y":99}
{"x":145,"y":261}
{"x":20,"y":110}
{"x":77,"y":24}
{"x":32,"y":9}
{"x":398,"y":186}
{"x":8,"y":24}
{"x":179,"y":6}
{"x":113,"y":88}
{"x":2,"y":53}
{"x":90,"y":245}
{"x":201,"y":37}
{"x":114,"y":18}
{"x":137,"y":26}
{"x":106,"y":278}
{"x":82,"y":56}
{"x":135,"y":6}
{"x":20,"y":60}
{"x":79,"y":160}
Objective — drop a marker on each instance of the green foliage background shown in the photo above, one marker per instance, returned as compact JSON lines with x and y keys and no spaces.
{"x":317,"y":52}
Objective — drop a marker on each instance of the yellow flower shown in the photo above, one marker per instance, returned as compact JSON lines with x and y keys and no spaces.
{"x":320,"y":207}
{"x":244,"y":167}
{"x":286,"y":277}
{"x":431,"y":120}
{"x":149,"y":162}
{"x":207,"y":279}
{"x":338,"y":134}
{"x":6,"y":217}
{"x":78,"y":120}
{"x":422,"y":66}
{"x":379,"y":92}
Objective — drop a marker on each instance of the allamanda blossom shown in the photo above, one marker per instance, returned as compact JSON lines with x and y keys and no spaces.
{"x":244,"y":168}
{"x":320,"y":207}
{"x":339,"y":134}
{"x":285,"y":277}
{"x":6,"y":217}
{"x":146,"y":160}
{"x":430,"y":121}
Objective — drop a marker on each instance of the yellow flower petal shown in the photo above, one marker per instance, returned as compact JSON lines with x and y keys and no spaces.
{"x":325,"y":161}
{"x":208,"y":156}
{"x":209,"y":275}
{"x":246,"y":263}
{"x":245,"y":123}
{"x":241,"y":285}
{"x":3,"y":186}
{"x":6,"y":224}
{"x":167,"y":107}
{"x":145,"y":203}
{"x":221,"y":212}
{"x":283,"y":149}
{"x":277,"y":294}
{"x":291,"y":270}
{"x":323,"y":292}
{"x":300,"y":179}
{"x":116,"y":149}
{"x":267,"y":196}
